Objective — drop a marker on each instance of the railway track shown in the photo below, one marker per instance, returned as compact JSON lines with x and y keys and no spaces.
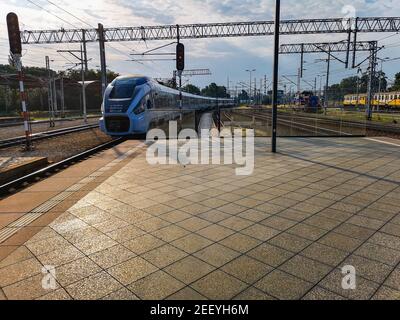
{"x":315,"y":129}
{"x":24,"y":181}
{"x":20,"y":123}
{"x":356,"y":124}
{"x":45,"y":135}
{"x":306,"y":128}
{"x":387,"y":128}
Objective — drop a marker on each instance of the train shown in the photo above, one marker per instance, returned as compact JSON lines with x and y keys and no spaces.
{"x":386,"y":100}
{"x":308,"y":101}
{"x":134,"y":104}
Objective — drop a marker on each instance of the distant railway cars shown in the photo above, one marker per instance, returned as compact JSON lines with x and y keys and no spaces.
{"x":386,"y":100}
{"x":135,"y":104}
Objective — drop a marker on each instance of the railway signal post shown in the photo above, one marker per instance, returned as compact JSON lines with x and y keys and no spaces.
{"x":16,"y":50}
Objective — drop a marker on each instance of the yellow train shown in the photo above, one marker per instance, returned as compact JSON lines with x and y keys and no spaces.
{"x":388,"y":100}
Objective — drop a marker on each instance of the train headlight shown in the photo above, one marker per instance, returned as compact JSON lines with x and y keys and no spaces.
{"x":102,"y":107}
{"x":141,"y":107}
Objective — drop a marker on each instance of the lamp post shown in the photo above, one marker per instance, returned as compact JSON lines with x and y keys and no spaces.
{"x":250,"y":71}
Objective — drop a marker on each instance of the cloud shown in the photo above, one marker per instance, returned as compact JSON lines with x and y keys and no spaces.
{"x":224,"y":56}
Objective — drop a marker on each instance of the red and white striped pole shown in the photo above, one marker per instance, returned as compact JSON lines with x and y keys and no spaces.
{"x":14,"y":38}
{"x":27,"y":124}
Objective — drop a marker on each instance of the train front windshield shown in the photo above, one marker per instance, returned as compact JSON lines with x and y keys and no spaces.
{"x":125,"y":88}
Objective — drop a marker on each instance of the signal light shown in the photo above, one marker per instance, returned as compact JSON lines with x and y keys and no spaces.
{"x":14,"y":35}
{"x":180,"y":57}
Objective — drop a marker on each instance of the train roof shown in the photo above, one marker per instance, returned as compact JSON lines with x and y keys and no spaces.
{"x":141,"y":79}
{"x":190,"y":95}
{"x":136,"y":79}
{"x":375,"y":93}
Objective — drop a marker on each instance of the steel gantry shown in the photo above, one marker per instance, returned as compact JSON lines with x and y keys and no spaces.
{"x":214,"y":30}
{"x":349,"y":26}
{"x":324,"y":47}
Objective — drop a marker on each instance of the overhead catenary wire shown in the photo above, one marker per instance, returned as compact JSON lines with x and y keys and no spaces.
{"x":71,"y":24}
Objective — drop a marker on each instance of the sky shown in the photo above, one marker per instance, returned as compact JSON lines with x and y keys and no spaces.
{"x":227,"y":58}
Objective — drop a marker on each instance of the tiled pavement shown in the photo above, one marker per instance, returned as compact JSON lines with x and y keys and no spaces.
{"x":201,"y":232}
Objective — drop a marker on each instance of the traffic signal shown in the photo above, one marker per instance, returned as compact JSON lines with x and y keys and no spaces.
{"x":14,"y":35}
{"x":180,"y":57}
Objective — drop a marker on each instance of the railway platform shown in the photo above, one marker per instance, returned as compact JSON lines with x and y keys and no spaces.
{"x":115,"y":227}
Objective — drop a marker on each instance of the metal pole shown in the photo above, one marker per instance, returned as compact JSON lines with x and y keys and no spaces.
{"x":358,"y":89}
{"x":348,"y":44}
{"x":348,"y":50}
{"x":250,"y":88}
{"x":55,"y":109}
{"x":298,"y":81}
{"x":255,"y":91}
{"x":265,"y":85}
{"x":302,"y":60}
{"x":219,"y":116}
{"x":178,"y":39}
{"x":275,"y":76}
{"x":84,"y":49}
{"x":380,"y":85}
{"x":327,"y":80}
{"x":62,"y":95}
{"x":27,"y":125}
{"x":355,"y":43}
{"x":50,"y":94}
{"x":100,"y":30}
{"x":83,"y":87}
{"x":371,"y":77}
{"x":320,"y":86}
{"x":315,"y":85}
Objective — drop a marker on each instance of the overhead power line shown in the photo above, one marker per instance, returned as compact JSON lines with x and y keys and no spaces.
{"x":40,"y":7}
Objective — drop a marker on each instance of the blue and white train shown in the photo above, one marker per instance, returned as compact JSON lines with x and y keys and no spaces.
{"x":135,"y":104}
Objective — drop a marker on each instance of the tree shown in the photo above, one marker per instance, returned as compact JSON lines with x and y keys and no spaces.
{"x":190,"y":88}
{"x":37,"y":96}
{"x":215,"y":91}
{"x":349,"y":85}
{"x":243,"y":96}
{"x":90,"y":75}
{"x":396,"y":85}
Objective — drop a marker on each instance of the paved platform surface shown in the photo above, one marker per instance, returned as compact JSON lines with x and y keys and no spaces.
{"x":201,"y":232}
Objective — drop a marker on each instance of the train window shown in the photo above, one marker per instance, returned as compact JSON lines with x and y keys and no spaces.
{"x":124,"y":88}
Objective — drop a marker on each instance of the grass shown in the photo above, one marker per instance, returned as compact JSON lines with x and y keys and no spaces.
{"x":360,"y":116}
